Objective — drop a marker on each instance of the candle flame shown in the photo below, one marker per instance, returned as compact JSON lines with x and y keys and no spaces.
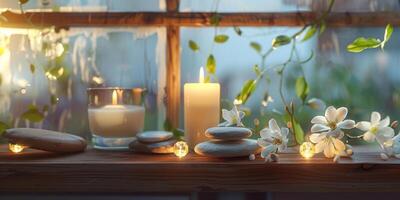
{"x":114,"y":98}
{"x":201,"y":75}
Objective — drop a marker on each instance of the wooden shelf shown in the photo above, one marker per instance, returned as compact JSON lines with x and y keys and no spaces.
{"x":132,"y":19}
{"x":100,"y":171}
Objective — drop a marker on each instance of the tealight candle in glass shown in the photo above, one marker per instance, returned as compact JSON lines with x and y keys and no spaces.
{"x":116,"y":115}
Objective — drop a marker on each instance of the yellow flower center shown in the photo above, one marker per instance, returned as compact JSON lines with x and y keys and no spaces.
{"x":332,"y":125}
{"x":277,"y":141}
{"x":374,"y":130}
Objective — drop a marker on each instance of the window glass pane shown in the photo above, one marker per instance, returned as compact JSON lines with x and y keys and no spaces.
{"x":363,"y":82}
{"x":87,"y":5}
{"x":286,"y":5}
{"x":53,"y":70}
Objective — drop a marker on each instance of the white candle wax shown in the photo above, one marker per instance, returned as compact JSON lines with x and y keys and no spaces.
{"x":202,"y":110}
{"x":113,"y":121}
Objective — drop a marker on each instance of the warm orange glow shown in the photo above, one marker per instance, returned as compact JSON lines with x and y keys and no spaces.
{"x":307,"y":150}
{"x":15,"y":148}
{"x":181,"y":149}
{"x":201,"y":75}
{"x":114,"y":98}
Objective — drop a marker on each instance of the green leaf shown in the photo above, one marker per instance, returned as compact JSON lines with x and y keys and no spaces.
{"x":3,"y":127}
{"x":215,"y":19}
{"x":33,"y":114}
{"x":296,"y":129}
{"x":302,"y":89}
{"x":22,"y":2}
{"x":322,"y":27}
{"x":388,"y":34}
{"x":237,"y":30}
{"x":310,"y":32}
{"x":299,"y":132}
{"x":32,"y":67}
{"x":247,"y":89}
{"x":178,"y":133}
{"x":361,"y":43}
{"x":211,"y":64}
{"x":193,"y":46}
{"x":167,"y":125}
{"x":221,"y":38}
{"x":280,"y":40}
{"x":256,"y":46}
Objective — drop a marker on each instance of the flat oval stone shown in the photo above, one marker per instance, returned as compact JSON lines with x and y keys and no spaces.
{"x":228,"y":133}
{"x":46,"y":140}
{"x":158,"y":147}
{"x":228,"y":149}
{"x":154,"y":136}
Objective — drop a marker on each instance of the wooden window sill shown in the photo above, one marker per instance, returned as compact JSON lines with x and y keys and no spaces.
{"x":101,"y":171}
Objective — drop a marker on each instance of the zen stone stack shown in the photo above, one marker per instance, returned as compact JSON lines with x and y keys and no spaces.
{"x":46,"y":140}
{"x":226,"y":142}
{"x":159,"y":142}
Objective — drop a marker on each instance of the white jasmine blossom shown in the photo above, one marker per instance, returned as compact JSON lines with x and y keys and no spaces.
{"x":333,"y":122}
{"x":329,"y":144}
{"x":273,"y":139}
{"x":233,"y":117}
{"x":376,"y":129}
{"x":327,"y":132}
{"x":391,"y":147}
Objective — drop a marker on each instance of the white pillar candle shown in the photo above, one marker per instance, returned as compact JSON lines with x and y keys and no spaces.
{"x":116,"y":121}
{"x":202,"y":109}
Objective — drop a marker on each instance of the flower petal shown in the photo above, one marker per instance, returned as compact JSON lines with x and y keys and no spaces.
{"x":226,"y":114}
{"x":339,"y":145}
{"x":364,"y":125}
{"x":319,"y":120}
{"x":267,"y":134}
{"x":385,"y":122}
{"x":384,"y":134}
{"x":369,"y":137}
{"x":268,"y":150}
{"x":375,"y":118}
{"x":263,"y":143}
{"x":329,"y":150}
{"x":330,"y":114}
{"x":320,"y":146}
{"x":284,"y":132}
{"x":347,"y":124}
{"x":341,"y":114}
{"x":317,"y":137}
{"x":273,"y":125}
{"x":318,"y":128}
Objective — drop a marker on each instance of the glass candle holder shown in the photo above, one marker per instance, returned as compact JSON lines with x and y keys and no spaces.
{"x":116,"y":115}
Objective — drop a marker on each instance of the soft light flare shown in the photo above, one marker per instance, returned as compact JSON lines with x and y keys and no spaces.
{"x":201,"y":75}
{"x":181,"y":149}
{"x":114,"y":97}
{"x":307,"y":150}
{"x":15,"y":148}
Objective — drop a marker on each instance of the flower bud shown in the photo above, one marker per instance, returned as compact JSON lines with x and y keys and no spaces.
{"x":316,"y":104}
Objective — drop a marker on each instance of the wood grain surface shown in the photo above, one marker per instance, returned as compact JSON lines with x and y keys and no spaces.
{"x":125,"y":19}
{"x":101,"y":171}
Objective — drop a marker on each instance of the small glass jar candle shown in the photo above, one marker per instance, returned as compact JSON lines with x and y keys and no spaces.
{"x":116,"y":115}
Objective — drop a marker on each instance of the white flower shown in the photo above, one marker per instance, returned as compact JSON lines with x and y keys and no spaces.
{"x":391,"y":147}
{"x":328,"y":144}
{"x":333,"y":122}
{"x":376,"y":129}
{"x":233,"y":117}
{"x":273,"y":139}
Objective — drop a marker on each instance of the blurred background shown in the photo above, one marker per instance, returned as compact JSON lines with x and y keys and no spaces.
{"x":45,"y":72}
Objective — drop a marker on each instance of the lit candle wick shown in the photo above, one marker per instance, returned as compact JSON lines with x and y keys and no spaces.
{"x":201,"y":75}
{"x":114,"y":98}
